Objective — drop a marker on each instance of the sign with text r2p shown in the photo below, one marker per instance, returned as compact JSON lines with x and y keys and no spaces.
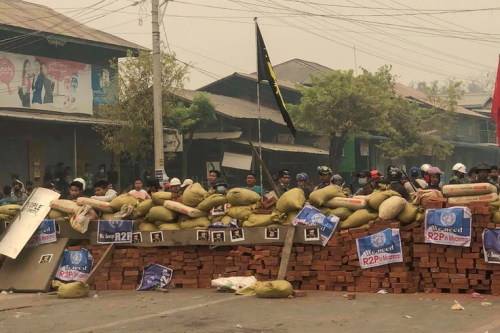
{"x":491,"y":245}
{"x":380,"y":249}
{"x":75,"y":265}
{"x":44,"y":234}
{"x":449,"y":226}
{"x":114,"y":232}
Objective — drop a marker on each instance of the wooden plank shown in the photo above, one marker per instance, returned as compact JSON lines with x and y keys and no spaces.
{"x":287,"y":249}
{"x":268,"y":175}
{"x":105,"y":257}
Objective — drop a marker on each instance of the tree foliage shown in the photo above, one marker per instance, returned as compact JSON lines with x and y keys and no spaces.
{"x":131,"y":110}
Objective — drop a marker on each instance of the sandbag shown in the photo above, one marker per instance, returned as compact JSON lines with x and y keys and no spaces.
{"x":76,"y":289}
{"x":494,"y":206}
{"x":377,"y":197}
{"x":351,"y":203}
{"x":144,"y":207}
{"x":81,"y":219}
{"x":124,"y":199}
{"x":358,"y":218}
{"x":325,"y":210}
{"x":320,"y":197}
{"x":341,"y":212}
{"x":487,"y":198}
{"x":495,"y":218}
{"x":182,"y":218}
{"x":293,"y":199}
{"x":160,"y":213}
{"x":273,"y":289}
{"x":169,"y":226}
{"x":289,"y":217}
{"x":159,"y":197}
{"x":200,"y":222}
{"x":212,"y":201}
{"x":55,"y":215}
{"x":4,"y":217}
{"x":258,"y":220}
{"x":226,"y":220}
{"x":99,"y":205}
{"x":408,"y":214}
{"x":193,"y":195}
{"x":183,"y":209}
{"x":467,"y":190}
{"x":390,"y":208}
{"x":136,"y":223}
{"x":66,"y":206}
{"x":242,"y":197}
{"x":241,"y":213}
{"x":147,"y":227}
{"x":420,"y":217}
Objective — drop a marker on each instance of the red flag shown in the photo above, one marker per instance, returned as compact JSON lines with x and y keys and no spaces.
{"x":495,"y":106}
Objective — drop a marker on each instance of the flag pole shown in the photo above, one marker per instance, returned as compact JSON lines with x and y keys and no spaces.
{"x":258,"y":108}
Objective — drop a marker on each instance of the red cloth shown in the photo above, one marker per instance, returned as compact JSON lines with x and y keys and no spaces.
{"x":495,"y":105}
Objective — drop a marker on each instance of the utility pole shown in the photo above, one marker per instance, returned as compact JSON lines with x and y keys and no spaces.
{"x":157,"y":89}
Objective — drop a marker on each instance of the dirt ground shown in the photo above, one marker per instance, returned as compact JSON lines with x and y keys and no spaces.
{"x":206,"y":310}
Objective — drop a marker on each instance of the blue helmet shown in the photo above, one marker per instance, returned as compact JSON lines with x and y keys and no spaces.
{"x":302,"y":177}
{"x":414,"y":171}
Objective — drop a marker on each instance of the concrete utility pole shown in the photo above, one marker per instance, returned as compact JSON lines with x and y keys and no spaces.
{"x":157,"y":89}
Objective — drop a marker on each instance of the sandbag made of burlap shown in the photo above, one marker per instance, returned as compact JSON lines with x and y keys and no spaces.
{"x":55,"y":215}
{"x":494,"y":206}
{"x":81,"y":219}
{"x":273,"y":289}
{"x":137,"y":222}
{"x":291,"y":200}
{"x":4,"y":217}
{"x":200,"y":222}
{"x":147,"y":227}
{"x":358,"y":218}
{"x":76,"y":289}
{"x":408,"y":214}
{"x":144,"y":207}
{"x":495,"y":217}
{"x":241,"y":213}
{"x":320,"y":197}
{"x":99,"y":205}
{"x":467,"y":190}
{"x":183,"y":209}
{"x":212,"y":201}
{"x":124,"y":199}
{"x":341,"y":212}
{"x":160,"y":213}
{"x":259,"y":220}
{"x":423,"y":196}
{"x":193,"y":195}
{"x":169,"y":226}
{"x":242,"y":197}
{"x":110,"y":217}
{"x":160,"y":197}
{"x":420,"y":217}
{"x":390,"y":208}
{"x":377,"y":197}
{"x":486,"y":198}
{"x":65,"y":206}
{"x":325,"y":210}
{"x":289,"y":218}
{"x":351,"y":203}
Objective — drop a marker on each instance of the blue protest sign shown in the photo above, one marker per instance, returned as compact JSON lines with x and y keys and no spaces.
{"x":44,"y":234}
{"x":114,"y":232}
{"x":449,"y":226}
{"x":327,"y":227}
{"x":155,"y":276}
{"x":309,"y":216}
{"x":491,"y":245}
{"x":379,"y":249}
{"x":75,"y":265}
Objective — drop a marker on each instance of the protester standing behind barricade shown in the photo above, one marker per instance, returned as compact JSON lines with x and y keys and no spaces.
{"x":88,"y":176}
{"x":251,"y":181}
{"x":415,"y":183}
{"x":102,"y":193}
{"x":483,"y":174}
{"x":220,"y":187}
{"x":7,"y":199}
{"x":283,"y":181}
{"x":101,"y":174}
{"x":113,"y":175}
{"x":303,"y":183}
{"x":365,"y":180}
{"x":395,"y":184}
{"x":75,"y":190}
{"x":29,"y":187}
{"x":459,"y":171}
{"x":15,"y":178}
{"x":138,"y":192}
{"x":494,"y":175}
{"x":184,"y":185}
{"x":434,"y":179}
{"x":325,"y":175}
{"x":213,"y":177}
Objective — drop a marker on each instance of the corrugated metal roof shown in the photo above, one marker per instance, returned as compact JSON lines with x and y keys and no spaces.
{"x":26,"y":15}
{"x":300,"y":71}
{"x":414,"y":94}
{"x":286,"y":148}
{"x":61,"y":118}
{"x":235,"y":107}
{"x":217,"y":135}
{"x":475,"y":100}
{"x":282,"y":83}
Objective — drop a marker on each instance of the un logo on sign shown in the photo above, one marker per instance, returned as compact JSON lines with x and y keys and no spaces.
{"x":448,"y":219}
{"x":116,"y":224}
{"x":378,"y":240}
{"x":317,"y":218}
{"x":76,"y":258}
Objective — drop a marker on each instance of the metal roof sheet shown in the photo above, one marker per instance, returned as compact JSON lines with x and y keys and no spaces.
{"x":30,"y":16}
{"x":285,"y":147}
{"x":299,"y":70}
{"x":217,"y":135}
{"x":475,"y":100}
{"x":54,"y":117}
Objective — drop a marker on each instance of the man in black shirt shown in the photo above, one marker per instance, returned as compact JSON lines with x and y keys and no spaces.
{"x":395,"y":175}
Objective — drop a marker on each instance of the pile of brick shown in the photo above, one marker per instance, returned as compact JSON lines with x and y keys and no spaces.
{"x":456,"y":269}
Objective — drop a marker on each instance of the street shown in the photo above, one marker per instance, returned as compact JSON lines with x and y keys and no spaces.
{"x":208,"y":311}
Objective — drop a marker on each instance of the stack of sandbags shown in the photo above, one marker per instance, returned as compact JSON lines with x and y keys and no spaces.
{"x":125,"y":199}
{"x":463,"y":194}
{"x":7,"y":212}
{"x":287,"y":207}
{"x":193,"y":195}
{"x":65,"y":206}
{"x":98,"y":205}
{"x":163,"y":218}
{"x":243,"y":203}
{"x":320,"y":197}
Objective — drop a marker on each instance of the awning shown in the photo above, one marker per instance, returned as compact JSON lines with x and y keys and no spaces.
{"x":490,"y":146}
{"x":58,"y":118}
{"x":272,"y":146}
{"x":217,"y":135}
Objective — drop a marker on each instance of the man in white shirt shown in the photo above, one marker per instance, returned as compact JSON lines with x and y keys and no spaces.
{"x":102,"y":192}
{"x":138,"y":192}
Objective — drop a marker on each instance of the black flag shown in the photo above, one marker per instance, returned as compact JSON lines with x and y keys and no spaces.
{"x":265,"y":72}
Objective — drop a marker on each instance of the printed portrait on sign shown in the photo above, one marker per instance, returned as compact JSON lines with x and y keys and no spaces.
{"x":45,"y":258}
{"x":272,"y":233}
{"x":218,"y":236}
{"x":202,"y":235}
{"x":311,"y":234}
{"x":136,"y":238}
{"x":237,"y":235}
{"x":156,"y":237}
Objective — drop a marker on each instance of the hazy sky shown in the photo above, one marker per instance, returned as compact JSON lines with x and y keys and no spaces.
{"x":438,"y":40}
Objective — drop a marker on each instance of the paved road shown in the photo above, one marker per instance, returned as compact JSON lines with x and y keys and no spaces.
{"x":210,"y":312}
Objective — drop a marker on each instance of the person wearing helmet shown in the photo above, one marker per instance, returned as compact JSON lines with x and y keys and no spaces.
{"x":325,"y":174}
{"x":415,"y":183}
{"x":423,"y":171}
{"x":395,"y":184}
{"x":482,"y":171}
{"x":459,"y":172}
{"x":220,"y":187}
{"x":434,"y":179}
{"x":337,"y":180}
{"x":494,"y":175}
{"x":283,"y":181}
{"x":366,"y":183}
{"x":303,"y":183}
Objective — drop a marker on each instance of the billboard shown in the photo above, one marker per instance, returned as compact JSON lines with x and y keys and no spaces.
{"x":44,"y":83}
{"x":102,"y":79}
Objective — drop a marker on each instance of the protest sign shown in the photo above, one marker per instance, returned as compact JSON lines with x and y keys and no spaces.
{"x":491,"y":245}
{"x":327,"y":227}
{"x":380,"y":249}
{"x":75,"y":265}
{"x":449,"y":226}
{"x":309,"y":216}
{"x":44,"y":234}
{"x":114,"y":232}
{"x":155,"y":276}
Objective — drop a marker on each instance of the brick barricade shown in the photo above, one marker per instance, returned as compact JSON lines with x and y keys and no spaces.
{"x":335,"y":267}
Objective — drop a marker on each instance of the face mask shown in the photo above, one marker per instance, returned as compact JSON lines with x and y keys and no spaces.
{"x":220,"y":189}
{"x":362,"y":181}
{"x":495,"y":178}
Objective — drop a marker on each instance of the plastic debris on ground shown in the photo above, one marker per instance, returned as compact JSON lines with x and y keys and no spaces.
{"x":408,"y":317}
{"x":382,"y":291}
{"x":477,"y":295}
{"x":457,"y":306}
{"x":350,"y":296}
{"x":486,"y":304}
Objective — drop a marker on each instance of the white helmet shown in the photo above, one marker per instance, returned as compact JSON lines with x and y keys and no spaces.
{"x":80,"y":180}
{"x":460,"y":168}
{"x":425,"y":167}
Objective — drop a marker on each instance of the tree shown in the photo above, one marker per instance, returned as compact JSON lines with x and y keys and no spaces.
{"x":130,"y":107}
{"x":190,"y":119}
{"x":340,"y":106}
